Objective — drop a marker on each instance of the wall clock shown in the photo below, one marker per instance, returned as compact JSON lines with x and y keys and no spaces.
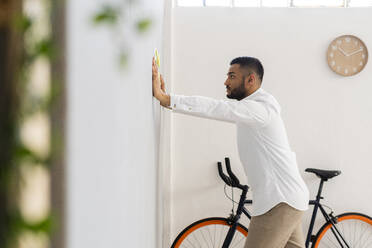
{"x":347,"y":55}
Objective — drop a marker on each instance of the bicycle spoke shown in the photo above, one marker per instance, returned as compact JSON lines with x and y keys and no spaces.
{"x":222,"y":237}
{"x":242,"y":238}
{"x":219,"y":240}
{"x":360,"y":238}
{"x":327,"y":246}
{"x":184,"y":245}
{"x":355,"y":234}
{"x":197,"y":240}
{"x":335,"y":245}
{"x":206,"y":242}
{"x":343,"y":234}
{"x":369,"y":244}
{"x":211,"y":237}
{"x":368,"y":233}
{"x":364,"y":234}
{"x":214,"y":237}
{"x":190,"y":243}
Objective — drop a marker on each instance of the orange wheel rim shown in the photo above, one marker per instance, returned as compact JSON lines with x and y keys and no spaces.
{"x":206,"y":223}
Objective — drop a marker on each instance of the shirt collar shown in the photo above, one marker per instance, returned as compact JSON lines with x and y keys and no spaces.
{"x":253,"y":94}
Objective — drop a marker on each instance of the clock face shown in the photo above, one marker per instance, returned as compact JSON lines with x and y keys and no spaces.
{"x":347,"y":55}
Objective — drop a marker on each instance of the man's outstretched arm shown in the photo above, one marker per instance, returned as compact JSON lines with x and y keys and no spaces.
{"x":250,"y":112}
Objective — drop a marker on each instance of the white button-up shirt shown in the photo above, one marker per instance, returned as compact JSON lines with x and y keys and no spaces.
{"x":264,"y":151}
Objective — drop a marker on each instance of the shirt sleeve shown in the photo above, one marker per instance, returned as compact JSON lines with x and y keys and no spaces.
{"x":246,"y":111}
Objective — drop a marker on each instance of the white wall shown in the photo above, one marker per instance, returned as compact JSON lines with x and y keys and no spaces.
{"x":328,"y":117}
{"x":113,"y":132}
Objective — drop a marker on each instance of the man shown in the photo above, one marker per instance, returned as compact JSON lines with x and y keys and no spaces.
{"x":280,"y":196}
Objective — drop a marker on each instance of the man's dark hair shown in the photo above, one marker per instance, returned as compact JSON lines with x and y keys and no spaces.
{"x":250,"y":63}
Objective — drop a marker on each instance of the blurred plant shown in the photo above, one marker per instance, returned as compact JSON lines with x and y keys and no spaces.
{"x":18,"y":103}
{"x":119,"y":19}
{"x":107,"y":15}
{"x":23,"y":105}
{"x":143,"y":25}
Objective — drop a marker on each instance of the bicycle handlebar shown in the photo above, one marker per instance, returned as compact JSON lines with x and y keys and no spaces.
{"x":230,"y":180}
{"x":225,"y":178}
{"x":231,"y":174}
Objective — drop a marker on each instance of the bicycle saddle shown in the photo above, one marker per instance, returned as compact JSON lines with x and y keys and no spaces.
{"x":324,"y":174}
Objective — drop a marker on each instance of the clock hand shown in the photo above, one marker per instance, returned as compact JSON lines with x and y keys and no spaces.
{"x":342,"y":51}
{"x":355,"y":52}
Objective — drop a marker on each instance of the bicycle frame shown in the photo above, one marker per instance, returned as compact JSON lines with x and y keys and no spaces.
{"x":309,"y":238}
{"x":328,"y":218}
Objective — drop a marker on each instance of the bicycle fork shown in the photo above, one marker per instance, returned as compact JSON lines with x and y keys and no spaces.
{"x":235,"y":219}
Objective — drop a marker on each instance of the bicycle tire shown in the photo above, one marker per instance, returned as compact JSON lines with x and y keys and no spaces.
{"x":356,"y":228}
{"x":200,"y":234}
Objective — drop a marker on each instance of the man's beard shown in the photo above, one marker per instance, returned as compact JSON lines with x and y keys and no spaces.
{"x":237,"y":93}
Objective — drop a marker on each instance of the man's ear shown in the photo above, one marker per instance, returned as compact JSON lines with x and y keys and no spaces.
{"x":251,"y":77}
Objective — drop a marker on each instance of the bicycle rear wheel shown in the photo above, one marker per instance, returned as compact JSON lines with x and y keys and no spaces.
{"x":210,"y":232}
{"x":355,"y":228}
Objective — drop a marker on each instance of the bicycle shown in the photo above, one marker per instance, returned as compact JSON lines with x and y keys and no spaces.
{"x":347,"y":230}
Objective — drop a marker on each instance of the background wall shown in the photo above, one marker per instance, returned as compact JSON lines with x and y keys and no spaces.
{"x":113,"y":131}
{"x":328,"y":117}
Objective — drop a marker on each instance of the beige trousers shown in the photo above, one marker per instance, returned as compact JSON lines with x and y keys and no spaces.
{"x":280,"y":227}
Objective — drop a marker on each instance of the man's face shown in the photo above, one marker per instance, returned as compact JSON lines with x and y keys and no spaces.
{"x":235,"y":88}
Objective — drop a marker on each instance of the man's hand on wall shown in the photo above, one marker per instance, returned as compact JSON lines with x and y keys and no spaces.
{"x":158,"y":86}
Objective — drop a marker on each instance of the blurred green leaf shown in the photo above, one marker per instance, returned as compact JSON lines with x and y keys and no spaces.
{"x":23,"y":23}
{"x":20,"y":224}
{"x":41,"y":226}
{"x":23,"y":153}
{"x":143,"y":25}
{"x":107,"y":15}
{"x":44,"y":48}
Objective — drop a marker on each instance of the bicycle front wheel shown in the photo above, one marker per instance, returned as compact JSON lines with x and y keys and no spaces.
{"x":355,"y":229}
{"x":210,"y":232}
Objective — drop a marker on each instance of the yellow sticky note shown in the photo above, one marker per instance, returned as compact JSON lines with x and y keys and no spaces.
{"x":157,"y":59}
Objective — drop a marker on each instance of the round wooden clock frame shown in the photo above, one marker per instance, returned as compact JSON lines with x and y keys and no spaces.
{"x":347,"y":55}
